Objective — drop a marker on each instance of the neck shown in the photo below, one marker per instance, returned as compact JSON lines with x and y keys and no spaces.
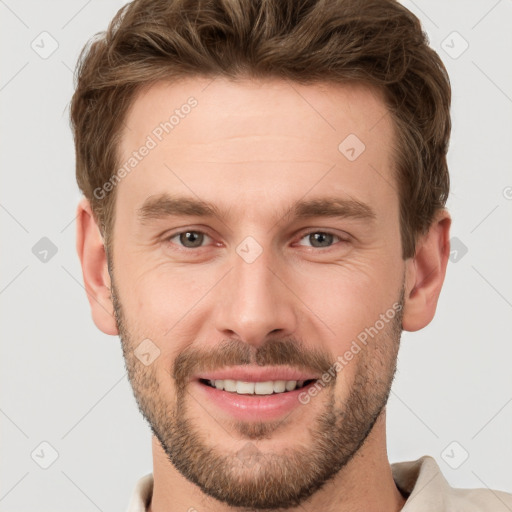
{"x":364,"y":484}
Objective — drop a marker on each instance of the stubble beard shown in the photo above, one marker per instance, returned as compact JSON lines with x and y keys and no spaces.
{"x":251,"y":478}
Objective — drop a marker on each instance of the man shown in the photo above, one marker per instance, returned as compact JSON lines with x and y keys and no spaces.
{"x":265,"y":186}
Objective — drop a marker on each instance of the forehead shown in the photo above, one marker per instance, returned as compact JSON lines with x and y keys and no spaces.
{"x":215,"y":137}
{"x":267,"y":107}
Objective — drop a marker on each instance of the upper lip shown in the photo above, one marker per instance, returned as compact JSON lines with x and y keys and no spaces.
{"x":256,"y":374}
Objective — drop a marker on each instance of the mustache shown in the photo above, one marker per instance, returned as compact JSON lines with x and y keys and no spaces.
{"x":276,"y":352}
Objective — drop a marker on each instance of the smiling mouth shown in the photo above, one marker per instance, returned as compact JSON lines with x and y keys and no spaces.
{"x":256,"y":388}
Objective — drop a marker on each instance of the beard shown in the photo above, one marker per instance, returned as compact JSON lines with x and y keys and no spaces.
{"x":249,"y":478}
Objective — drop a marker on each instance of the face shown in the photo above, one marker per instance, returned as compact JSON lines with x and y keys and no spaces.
{"x":257,"y":279}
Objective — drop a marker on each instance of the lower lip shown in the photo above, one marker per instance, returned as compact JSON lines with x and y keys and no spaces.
{"x":253,"y":407}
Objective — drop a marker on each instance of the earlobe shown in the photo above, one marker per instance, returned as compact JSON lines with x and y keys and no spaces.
{"x":425,"y":274}
{"x":91,"y":252}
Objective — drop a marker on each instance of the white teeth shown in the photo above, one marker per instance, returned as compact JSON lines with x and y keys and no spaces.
{"x":244,"y":388}
{"x":279,"y":386}
{"x":264,"y":388}
{"x":230,"y":385}
{"x":291,"y":385}
{"x":256,"y":388}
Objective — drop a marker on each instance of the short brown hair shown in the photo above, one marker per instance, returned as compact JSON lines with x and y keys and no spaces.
{"x":375,"y":42}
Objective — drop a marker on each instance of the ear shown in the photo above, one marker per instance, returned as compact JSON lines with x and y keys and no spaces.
{"x":91,"y":251}
{"x":425,"y":274}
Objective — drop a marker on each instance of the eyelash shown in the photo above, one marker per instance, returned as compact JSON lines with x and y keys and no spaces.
{"x":304,"y":235}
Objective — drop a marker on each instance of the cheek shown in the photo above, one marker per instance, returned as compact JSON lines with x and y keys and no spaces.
{"x":162,"y":305}
{"x":345,"y":303}
{"x":157,"y":294}
{"x":347,"y":296}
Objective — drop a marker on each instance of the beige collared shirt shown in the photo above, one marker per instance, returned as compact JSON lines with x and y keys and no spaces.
{"x":421,"y":480}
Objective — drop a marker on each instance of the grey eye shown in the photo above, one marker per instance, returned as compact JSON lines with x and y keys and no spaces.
{"x":190,"y":239}
{"x":320,"y":239}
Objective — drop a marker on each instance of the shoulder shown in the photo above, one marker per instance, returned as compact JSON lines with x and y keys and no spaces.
{"x":141,"y":494}
{"x":479,"y":500}
{"x":427,"y":489}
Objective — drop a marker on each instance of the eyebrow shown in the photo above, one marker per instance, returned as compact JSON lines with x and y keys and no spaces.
{"x":165,"y":205}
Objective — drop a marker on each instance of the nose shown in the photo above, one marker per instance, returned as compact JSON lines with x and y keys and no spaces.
{"x":255,"y":302}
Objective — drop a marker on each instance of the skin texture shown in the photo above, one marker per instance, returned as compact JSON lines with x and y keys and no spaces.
{"x":252,"y":148}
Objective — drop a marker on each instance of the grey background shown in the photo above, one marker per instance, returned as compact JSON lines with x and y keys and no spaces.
{"x":63,"y":381}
